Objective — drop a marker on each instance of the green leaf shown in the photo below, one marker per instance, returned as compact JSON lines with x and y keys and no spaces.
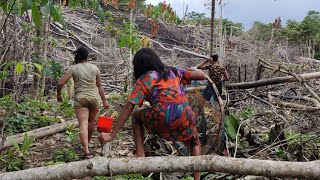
{"x":123,"y":41}
{"x":14,"y":144}
{"x":4,"y":6}
{"x":56,"y":16}
{"x":230,"y":130}
{"x":96,"y":4}
{"x":19,"y":68}
{"x":37,"y":74}
{"x":27,"y":142}
{"x":26,"y":5}
{"x":3,"y":74}
{"x":44,"y":2}
{"x":101,"y":14}
{"x":38,"y":66}
{"x":36,"y":16}
{"x":234,"y":120}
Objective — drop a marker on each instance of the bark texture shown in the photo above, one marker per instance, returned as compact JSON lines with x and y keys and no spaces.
{"x":107,"y":166}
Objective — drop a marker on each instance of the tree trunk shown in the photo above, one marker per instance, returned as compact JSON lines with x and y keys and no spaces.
{"x":271,"y":81}
{"x":101,"y":166}
{"x":36,"y":79}
{"x":213,"y":7}
{"x":39,"y":133}
{"x":44,"y":51}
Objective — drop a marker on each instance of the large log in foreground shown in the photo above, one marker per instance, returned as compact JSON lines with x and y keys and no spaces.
{"x":276,"y":80}
{"x":39,"y":133}
{"x":100,"y":166}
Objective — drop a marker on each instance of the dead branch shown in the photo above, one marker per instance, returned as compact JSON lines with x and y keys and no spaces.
{"x":299,"y":78}
{"x":271,"y":81}
{"x":305,"y":98}
{"x":292,"y":105}
{"x":101,"y":166}
{"x":192,"y":53}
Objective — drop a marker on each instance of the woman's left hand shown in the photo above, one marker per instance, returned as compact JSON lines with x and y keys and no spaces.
{"x":105,"y":137}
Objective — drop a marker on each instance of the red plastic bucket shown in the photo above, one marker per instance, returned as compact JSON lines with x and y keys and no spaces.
{"x":104,"y":124}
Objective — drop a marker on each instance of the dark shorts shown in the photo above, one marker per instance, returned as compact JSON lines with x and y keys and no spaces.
{"x":90,"y":103}
{"x":208,"y":92}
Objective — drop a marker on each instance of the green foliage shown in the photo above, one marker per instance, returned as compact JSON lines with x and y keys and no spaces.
{"x":20,"y":67}
{"x":31,"y":114}
{"x":128,"y":36}
{"x":100,"y":178}
{"x":26,"y":144}
{"x":65,"y":155}
{"x":10,"y":160}
{"x":36,"y":16}
{"x":260,"y":31}
{"x":133,"y":177}
{"x":248,"y":112}
{"x":188,"y":178}
{"x":39,"y":9}
{"x":232,"y":27}
{"x":14,"y":160}
{"x":232,"y":125}
{"x":164,"y":12}
{"x":195,"y":15}
{"x":227,"y":25}
{"x":50,"y":163}
{"x":66,"y":108}
{"x":53,"y":69}
{"x":72,"y":133}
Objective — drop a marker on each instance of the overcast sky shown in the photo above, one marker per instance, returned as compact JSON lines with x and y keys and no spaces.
{"x":248,"y":11}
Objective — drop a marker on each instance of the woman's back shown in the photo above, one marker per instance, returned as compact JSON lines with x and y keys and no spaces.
{"x":84,"y":76}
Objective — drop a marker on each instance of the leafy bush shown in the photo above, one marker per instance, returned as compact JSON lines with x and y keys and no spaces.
{"x":65,"y":155}
{"x":248,"y":112}
{"x":72,"y":133}
{"x":31,"y":114}
{"x":14,"y":159}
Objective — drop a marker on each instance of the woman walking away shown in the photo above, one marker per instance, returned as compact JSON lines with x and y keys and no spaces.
{"x":169,"y":116}
{"x":88,"y":91}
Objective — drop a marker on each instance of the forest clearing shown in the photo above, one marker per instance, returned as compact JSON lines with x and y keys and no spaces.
{"x":264,"y":124}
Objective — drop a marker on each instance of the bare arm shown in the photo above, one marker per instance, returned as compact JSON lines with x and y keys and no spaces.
{"x":123,"y":117}
{"x":197,"y":75}
{"x":225,"y":75}
{"x":203,"y":65}
{"x":101,"y":91}
{"x":121,"y":120}
{"x":60,"y":85}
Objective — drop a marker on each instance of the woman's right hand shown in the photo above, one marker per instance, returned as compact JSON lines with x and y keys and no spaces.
{"x":106,"y":105}
{"x":59,"y":98}
{"x":105,"y":137}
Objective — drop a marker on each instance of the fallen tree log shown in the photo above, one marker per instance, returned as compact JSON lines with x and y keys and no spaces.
{"x":101,"y":166}
{"x":271,"y":81}
{"x":39,"y":133}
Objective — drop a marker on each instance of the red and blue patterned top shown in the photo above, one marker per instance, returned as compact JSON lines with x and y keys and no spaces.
{"x":169,"y":116}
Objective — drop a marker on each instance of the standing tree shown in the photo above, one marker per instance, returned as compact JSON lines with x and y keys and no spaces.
{"x":213,"y":7}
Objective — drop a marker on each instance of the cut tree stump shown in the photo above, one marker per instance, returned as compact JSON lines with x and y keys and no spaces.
{"x":39,"y":133}
{"x":102,"y":166}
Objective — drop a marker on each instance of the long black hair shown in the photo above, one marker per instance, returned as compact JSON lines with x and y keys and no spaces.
{"x":215,"y":57}
{"x":146,"y":59}
{"x":80,"y":55}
